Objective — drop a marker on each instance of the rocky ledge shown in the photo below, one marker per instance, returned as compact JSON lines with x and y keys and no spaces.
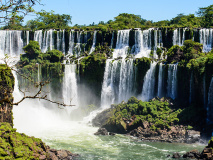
{"x":14,"y":145}
{"x":177,"y":133}
{"x":156,"y":120}
{"x":206,"y":154}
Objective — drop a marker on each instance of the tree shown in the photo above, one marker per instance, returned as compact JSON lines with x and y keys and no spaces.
{"x":20,"y":8}
{"x":206,"y":14}
{"x":49,"y":20}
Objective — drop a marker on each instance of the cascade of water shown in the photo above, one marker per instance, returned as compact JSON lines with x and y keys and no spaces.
{"x":70,"y":94}
{"x":206,"y":36}
{"x":122,"y":44}
{"x":160,"y":81}
{"x":48,"y":41}
{"x":118,"y":82}
{"x":94,"y":42}
{"x":143,"y":43}
{"x":77,"y":47}
{"x":183,"y":37}
{"x":111,"y":45}
{"x":71,"y":42}
{"x":210,"y":103}
{"x":149,"y":83}
{"x":39,"y":73}
{"x":126,"y":80}
{"x":38,"y":37}
{"x":63,"y":42}
{"x":27,"y":37}
{"x":11,"y":43}
{"x":172,"y":81}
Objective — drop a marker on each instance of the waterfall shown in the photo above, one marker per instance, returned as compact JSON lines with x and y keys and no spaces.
{"x":94,"y":42}
{"x":48,"y":41}
{"x":27,"y":37}
{"x":39,"y":73}
{"x":70,"y":94}
{"x":77,"y":48}
{"x":111,"y":45}
{"x":177,"y":39}
{"x":118,"y":82}
{"x":149,"y":83}
{"x":61,"y":41}
{"x":143,"y":43}
{"x":11,"y":43}
{"x":122,"y":44}
{"x":206,"y":36}
{"x":172,"y":81}
{"x":38,"y":37}
{"x":71,"y":42}
{"x":160,"y":81}
{"x":210,"y":103}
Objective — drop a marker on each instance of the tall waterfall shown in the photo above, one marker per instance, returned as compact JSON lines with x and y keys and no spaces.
{"x":71,"y":42}
{"x":172,"y":81}
{"x":61,"y":41}
{"x":70,"y":94}
{"x":149,"y":83}
{"x":143,"y":43}
{"x":210,"y":103}
{"x":11,"y":43}
{"x":111,"y":45}
{"x":122,"y":44}
{"x":160,"y":81}
{"x":206,"y":36}
{"x":178,"y":39}
{"x":94,"y":42}
{"x":118,"y":82}
{"x":77,"y":48}
{"x":46,"y":40}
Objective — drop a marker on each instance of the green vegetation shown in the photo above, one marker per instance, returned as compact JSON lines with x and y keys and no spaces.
{"x":156,"y":112}
{"x":6,"y":76}
{"x":49,"y":20}
{"x":14,"y":145}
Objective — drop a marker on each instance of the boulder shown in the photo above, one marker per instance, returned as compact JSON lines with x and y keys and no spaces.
{"x":176,"y":155}
{"x":101,"y":131}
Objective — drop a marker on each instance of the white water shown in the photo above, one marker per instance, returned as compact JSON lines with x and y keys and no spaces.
{"x":61,"y":41}
{"x":149,"y":83}
{"x":11,"y":43}
{"x":160,"y":81}
{"x":172,"y":81}
{"x":77,"y":48}
{"x":177,"y":38}
{"x":118,"y":82}
{"x":94,"y":42}
{"x":122,"y":44}
{"x":70,"y":93}
{"x":71,"y":42}
{"x":206,"y":36}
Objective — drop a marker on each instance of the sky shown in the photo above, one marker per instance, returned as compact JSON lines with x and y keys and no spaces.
{"x":89,"y":11}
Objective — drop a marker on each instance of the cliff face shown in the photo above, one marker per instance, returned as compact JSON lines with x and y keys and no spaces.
{"x":6,"y":89}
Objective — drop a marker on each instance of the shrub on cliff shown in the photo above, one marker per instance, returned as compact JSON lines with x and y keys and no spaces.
{"x":131,"y":114}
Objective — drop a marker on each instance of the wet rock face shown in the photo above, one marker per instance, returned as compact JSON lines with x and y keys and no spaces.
{"x":177,"y":133}
{"x":101,"y":131}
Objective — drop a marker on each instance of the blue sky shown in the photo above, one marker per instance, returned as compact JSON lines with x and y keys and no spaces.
{"x":89,"y":11}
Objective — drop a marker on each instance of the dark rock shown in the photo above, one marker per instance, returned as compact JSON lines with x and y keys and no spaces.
{"x":111,"y":134}
{"x":101,"y":118}
{"x":61,"y":154}
{"x":101,"y":131}
{"x":53,"y":156}
{"x":194,"y":154}
{"x":192,"y":136}
{"x":176,"y":155}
